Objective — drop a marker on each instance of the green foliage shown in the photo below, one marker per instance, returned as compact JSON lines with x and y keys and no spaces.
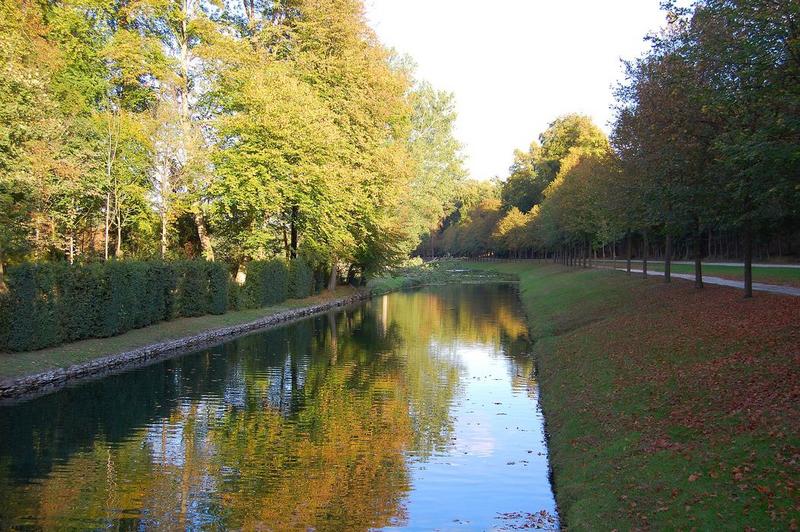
{"x":5,"y":318}
{"x":301,"y":279}
{"x":236,"y":296}
{"x":267,"y":283}
{"x":48,"y":304}
{"x":438,"y":155}
{"x":192,"y":288}
{"x":218,"y":287}
{"x":33,"y":307}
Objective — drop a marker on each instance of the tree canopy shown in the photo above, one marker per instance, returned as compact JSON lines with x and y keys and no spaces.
{"x":230,"y":130}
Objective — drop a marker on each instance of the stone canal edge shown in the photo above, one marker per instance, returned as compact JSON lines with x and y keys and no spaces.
{"x":30,"y":386}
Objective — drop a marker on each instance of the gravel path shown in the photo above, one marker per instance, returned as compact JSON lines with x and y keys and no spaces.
{"x":732,"y":264}
{"x":761,"y":287}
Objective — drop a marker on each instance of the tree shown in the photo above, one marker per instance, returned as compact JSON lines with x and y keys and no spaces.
{"x":440,"y":164}
{"x":535,"y":169}
{"x":748,"y":51}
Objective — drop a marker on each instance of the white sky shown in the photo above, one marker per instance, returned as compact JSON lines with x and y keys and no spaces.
{"x":515,"y":65}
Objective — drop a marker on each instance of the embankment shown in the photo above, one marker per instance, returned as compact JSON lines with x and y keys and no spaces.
{"x":31,"y":373}
{"x":667,"y":407}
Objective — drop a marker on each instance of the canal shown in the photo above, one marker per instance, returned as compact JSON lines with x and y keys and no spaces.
{"x":416,"y":410}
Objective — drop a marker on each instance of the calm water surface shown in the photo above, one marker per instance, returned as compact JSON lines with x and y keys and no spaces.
{"x":416,"y":410}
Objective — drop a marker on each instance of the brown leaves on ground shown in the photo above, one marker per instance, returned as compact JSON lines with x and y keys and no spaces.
{"x":694,"y":372}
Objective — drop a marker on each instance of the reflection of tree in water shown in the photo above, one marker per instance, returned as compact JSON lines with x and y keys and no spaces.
{"x":433,"y":323}
{"x":303,"y":425}
{"x":306,"y":425}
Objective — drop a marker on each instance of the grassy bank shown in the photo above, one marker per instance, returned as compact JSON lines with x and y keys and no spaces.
{"x":761,"y":274}
{"x":432,"y":273}
{"x":31,"y":362}
{"x":667,"y":407}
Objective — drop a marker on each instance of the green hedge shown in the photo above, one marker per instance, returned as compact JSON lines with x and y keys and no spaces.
{"x":266,"y":283}
{"x":52,"y":303}
{"x":49,"y":304}
{"x":301,"y":279}
{"x":4,"y":318}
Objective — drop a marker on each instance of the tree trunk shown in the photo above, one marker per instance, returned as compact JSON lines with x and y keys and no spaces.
{"x":628,"y":252}
{"x":118,"y":247}
{"x":206,"y":248}
{"x":286,"y":249}
{"x":614,"y":255}
{"x":163,"y":235}
{"x":107,"y":223}
{"x":293,"y":242}
{"x":333,"y":277}
{"x":241,"y":274}
{"x":586,"y":252}
{"x":587,"y":261}
{"x":748,"y":261}
{"x":3,"y":286}
{"x":668,"y":259}
{"x":698,"y":256}
{"x":645,"y":246}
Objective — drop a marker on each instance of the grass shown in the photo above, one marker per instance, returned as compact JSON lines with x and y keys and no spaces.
{"x":26,"y":363}
{"x":432,"y":273}
{"x":667,"y":407}
{"x":771,"y":275}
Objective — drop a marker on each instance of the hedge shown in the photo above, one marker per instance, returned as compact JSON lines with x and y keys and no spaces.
{"x":301,"y":279}
{"x":266,"y":283}
{"x":52,"y":303}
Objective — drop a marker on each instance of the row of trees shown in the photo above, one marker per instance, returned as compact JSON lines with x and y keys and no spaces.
{"x":234,"y":130}
{"x":706,"y":138}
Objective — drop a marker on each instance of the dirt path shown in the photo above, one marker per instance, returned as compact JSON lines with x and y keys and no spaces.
{"x":761,"y":287}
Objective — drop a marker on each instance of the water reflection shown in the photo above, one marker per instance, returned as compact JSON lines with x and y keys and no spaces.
{"x":398,"y":412}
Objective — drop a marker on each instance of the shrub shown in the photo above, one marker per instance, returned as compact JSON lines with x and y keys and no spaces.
{"x":236,"y":299}
{"x":320,"y":280}
{"x":276,"y":280}
{"x":266,"y":283}
{"x":4,"y":320}
{"x":192,"y":288}
{"x":301,"y":279}
{"x":33,"y":308}
{"x":83,"y":295}
{"x":218,"y":286}
{"x":48,"y":304}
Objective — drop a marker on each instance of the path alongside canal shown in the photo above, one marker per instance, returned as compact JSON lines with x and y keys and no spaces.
{"x":710,"y":279}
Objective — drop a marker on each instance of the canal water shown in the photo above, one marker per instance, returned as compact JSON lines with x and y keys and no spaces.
{"x":417,"y":410}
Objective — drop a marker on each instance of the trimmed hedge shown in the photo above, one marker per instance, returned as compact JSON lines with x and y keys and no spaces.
{"x":266,"y":283}
{"x":49,"y":304}
{"x":5,"y":318}
{"x":52,"y":303}
{"x":301,"y":279}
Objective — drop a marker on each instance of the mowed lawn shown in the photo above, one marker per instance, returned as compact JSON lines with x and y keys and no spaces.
{"x":31,"y":362}
{"x":761,"y":274}
{"x":667,"y":407}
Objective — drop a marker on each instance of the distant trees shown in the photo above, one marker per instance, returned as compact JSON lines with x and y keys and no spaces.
{"x":230,"y":130}
{"x":706,"y":142}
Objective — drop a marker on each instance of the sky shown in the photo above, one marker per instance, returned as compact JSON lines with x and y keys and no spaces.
{"x":515,"y":65}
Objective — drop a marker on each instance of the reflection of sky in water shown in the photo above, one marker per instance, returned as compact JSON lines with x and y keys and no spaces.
{"x":497,"y":459}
